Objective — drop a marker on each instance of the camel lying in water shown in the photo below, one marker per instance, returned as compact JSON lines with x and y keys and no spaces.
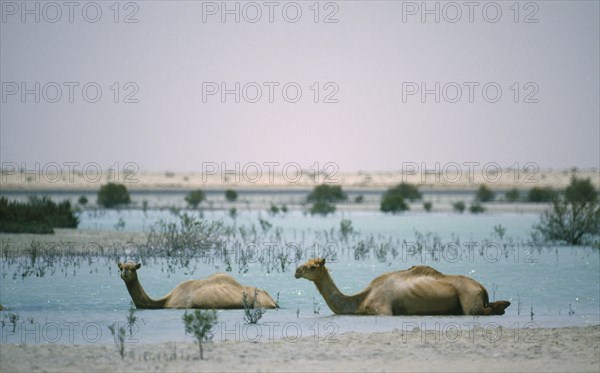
{"x":419,"y":290}
{"x":219,"y":291}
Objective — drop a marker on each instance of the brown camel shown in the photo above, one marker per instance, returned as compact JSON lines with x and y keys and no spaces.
{"x":419,"y":290}
{"x":219,"y":291}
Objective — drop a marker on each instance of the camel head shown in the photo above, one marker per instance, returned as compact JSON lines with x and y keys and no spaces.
{"x":312,"y":269}
{"x":128,"y":271}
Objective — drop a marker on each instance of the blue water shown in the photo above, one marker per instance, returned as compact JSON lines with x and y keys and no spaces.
{"x":75,"y":304}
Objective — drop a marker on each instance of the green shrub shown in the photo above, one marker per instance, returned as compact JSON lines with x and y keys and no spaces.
{"x":273,"y":210}
{"x":323,"y":198}
{"x":112,"y":194}
{"x":476,"y":208}
{"x":393,"y":199}
{"x":538,"y":194}
{"x":581,"y":190}
{"x":359,"y":199}
{"x":459,"y":206}
{"x":195,"y":197}
{"x":199,"y":323}
{"x":512,"y":195}
{"x":574,"y":217}
{"x":231,"y":195}
{"x":327,"y":193}
{"x":484,"y":194}
{"x":253,"y":311}
{"x":322,"y":208}
{"x":83,"y":200}
{"x":37,"y":215}
{"x":407,"y":191}
{"x":427,"y":205}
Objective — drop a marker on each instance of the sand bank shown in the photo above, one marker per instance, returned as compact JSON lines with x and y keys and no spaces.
{"x":572,"y":349}
{"x":432,"y":177}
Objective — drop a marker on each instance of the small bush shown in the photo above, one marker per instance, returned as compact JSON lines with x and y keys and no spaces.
{"x":427,"y":205}
{"x":476,"y":208}
{"x":327,"y":193}
{"x":112,"y":195}
{"x":538,"y":194}
{"x":484,"y":194}
{"x":346,"y":228}
{"x":231,"y":195}
{"x":574,"y":217}
{"x":195,"y":197}
{"x":233,"y":212}
{"x":118,"y":333}
{"x":512,"y":195}
{"x":459,"y":207}
{"x":393,"y":199}
{"x":199,"y":323}
{"x":273,"y":210}
{"x":322,"y":208}
{"x":253,"y":311}
{"x":581,"y":191}
{"x":83,"y":200}
{"x":359,"y":199}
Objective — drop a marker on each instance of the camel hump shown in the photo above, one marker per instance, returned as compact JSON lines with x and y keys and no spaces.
{"x":424,"y":271}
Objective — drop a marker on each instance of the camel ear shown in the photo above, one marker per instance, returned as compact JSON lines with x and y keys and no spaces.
{"x":321,"y":261}
{"x":137,"y":266}
{"x":120,"y":265}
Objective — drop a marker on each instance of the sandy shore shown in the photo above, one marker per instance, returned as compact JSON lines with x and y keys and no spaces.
{"x":432,"y":177}
{"x":570,"y":349}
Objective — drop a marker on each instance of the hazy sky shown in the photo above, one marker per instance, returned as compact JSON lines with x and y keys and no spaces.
{"x":373,"y":59}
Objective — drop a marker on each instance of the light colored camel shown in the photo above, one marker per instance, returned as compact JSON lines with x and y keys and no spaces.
{"x":219,"y":291}
{"x":419,"y":290}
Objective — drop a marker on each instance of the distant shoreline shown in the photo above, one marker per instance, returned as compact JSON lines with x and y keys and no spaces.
{"x":39,"y":181}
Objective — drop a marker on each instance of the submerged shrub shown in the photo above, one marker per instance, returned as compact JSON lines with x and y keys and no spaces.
{"x":476,"y":208}
{"x":195,"y":197}
{"x":538,"y":194}
{"x":322,"y":208}
{"x":112,"y":195}
{"x":231,"y":195}
{"x":37,"y":215}
{"x":327,"y":193}
{"x":484,"y":194}
{"x":459,"y":206}
{"x":253,"y":311}
{"x":512,"y":195}
{"x":393,"y":199}
{"x":574,"y":217}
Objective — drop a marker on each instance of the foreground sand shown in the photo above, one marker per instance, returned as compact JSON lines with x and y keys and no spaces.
{"x":572,"y":349}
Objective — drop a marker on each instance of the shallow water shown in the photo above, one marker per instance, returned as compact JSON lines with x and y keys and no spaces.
{"x":76,"y":304}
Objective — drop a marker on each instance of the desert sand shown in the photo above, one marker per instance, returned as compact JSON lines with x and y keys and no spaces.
{"x":449,"y":176}
{"x":573,"y":349}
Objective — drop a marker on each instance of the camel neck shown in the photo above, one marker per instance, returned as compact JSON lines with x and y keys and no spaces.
{"x":140,"y":298}
{"x":339,"y":303}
